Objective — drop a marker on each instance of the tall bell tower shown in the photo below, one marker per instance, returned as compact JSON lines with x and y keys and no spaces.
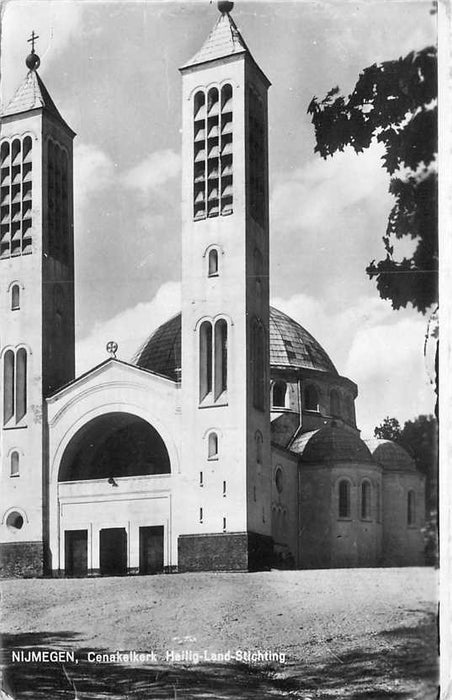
{"x":224,"y":513}
{"x":36,"y":307}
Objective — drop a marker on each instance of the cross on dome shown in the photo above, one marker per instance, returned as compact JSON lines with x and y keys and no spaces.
{"x":32,"y":61}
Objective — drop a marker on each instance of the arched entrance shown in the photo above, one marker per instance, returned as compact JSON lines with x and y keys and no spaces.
{"x":114,"y":445}
{"x":113,"y":495}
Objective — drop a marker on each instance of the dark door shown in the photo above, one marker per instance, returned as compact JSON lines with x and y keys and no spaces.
{"x":113,"y":551}
{"x":151,"y":550}
{"x":76,"y":552}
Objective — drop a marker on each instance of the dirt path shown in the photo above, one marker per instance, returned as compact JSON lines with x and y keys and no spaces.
{"x":362,"y":633}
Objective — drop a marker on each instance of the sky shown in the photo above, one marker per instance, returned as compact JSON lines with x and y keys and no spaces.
{"x":112,"y":70}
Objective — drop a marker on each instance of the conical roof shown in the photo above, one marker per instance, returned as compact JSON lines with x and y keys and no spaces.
{"x":224,"y":40}
{"x":32,"y":94}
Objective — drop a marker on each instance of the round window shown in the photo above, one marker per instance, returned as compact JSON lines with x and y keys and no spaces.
{"x":14,"y":521}
{"x":279,"y":479}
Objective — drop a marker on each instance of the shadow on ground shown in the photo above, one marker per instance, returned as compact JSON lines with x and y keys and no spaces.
{"x":400,"y":664}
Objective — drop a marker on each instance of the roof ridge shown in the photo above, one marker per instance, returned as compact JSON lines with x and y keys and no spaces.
{"x":32,"y":94}
{"x":224,"y":40}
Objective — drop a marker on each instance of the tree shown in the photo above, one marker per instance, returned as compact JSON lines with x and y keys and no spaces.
{"x":388,"y":430}
{"x":395,"y":103}
{"x":419,"y":437}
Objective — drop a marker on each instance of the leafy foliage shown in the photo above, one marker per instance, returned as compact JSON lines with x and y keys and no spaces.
{"x":395,"y":103}
{"x":419,"y":437}
{"x":388,"y":430}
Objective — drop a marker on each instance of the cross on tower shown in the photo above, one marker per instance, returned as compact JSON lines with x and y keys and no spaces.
{"x":32,"y":39}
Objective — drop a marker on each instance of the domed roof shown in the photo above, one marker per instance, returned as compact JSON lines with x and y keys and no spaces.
{"x":331,"y":444}
{"x":291,"y":346}
{"x":390,"y":455}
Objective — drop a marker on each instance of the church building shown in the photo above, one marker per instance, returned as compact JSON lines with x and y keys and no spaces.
{"x":229,"y":442}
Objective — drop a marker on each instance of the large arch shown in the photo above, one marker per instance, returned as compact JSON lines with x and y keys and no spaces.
{"x":113,"y":445}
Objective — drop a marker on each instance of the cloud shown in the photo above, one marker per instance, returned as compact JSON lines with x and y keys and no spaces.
{"x":388,"y":364}
{"x":379,"y":349}
{"x":129,"y":328}
{"x":93,"y":171}
{"x":153,"y":172}
{"x":317,"y":193}
{"x":54,"y":22}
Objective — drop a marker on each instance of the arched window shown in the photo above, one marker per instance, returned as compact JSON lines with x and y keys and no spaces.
{"x":213,"y":262}
{"x":15,"y":297}
{"x":14,"y":463}
{"x":221,"y":357}
{"x":365,"y":500}
{"x":279,"y":479}
{"x":21,"y":384}
{"x":279,"y":394}
{"x":411,"y":508}
{"x":14,"y":521}
{"x":344,"y":499}
{"x":213,"y":359}
{"x":335,"y":403}
{"x":212,"y":446}
{"x":258,"y":359}
{"x":311,"y":398}
{"x":205,"y":359}
{"x":8,"y":385}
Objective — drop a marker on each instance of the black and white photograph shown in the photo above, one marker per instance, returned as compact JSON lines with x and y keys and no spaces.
{"x":219,"y":325}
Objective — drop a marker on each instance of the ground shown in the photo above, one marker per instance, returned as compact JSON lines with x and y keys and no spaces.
{"x":349,"y":634}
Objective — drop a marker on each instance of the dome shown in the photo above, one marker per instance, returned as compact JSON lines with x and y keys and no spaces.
{"x":331,"y":444}
{"x":391,"y":456}
{"x":291,"y":347}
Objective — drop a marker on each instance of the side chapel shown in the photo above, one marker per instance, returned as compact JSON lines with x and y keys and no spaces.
{"x":230,"y":441}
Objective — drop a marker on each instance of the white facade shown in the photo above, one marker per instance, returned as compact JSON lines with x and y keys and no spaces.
{"x":208,"y":462}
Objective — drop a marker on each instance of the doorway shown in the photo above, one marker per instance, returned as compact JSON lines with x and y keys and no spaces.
{"x":76,"y":552}
{"x":151,"y":550}
{"x":113,"y":551}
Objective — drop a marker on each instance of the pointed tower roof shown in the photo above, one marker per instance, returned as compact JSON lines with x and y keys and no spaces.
{"x":224,"y":39}
{"x":32,"y":94}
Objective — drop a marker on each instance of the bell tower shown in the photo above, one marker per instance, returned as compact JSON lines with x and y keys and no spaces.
{"x":36,"y":307}
{"x":225,"y":519}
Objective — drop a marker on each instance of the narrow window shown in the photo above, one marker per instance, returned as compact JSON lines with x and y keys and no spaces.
{"x":335,"y":403}
{"x":279,"y":394}
{"x":350,"y":409}
{"x":213,"y":262}
{"x":344,"y":499}
{"x":14,"y":463}
{"x":221,"y":357}
{"x":212,"y":451}
{"x":254,"y":493}
{"x":259,"y":440}
{"x":258,"y":355}
{"x":200,"y":515}
{"x":8,"y":388}
{"x":378,"y":503}
{"x":21,"y":384}
{"x":365,"y":500}
{"x":201,"y":482}
{"x":15,"y":297}
{"x":224,"y":524}
{"x":311,"y":399}
{"x":224,"y":489}
{"x":205,"y":359}
{"x":411,"y":508}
